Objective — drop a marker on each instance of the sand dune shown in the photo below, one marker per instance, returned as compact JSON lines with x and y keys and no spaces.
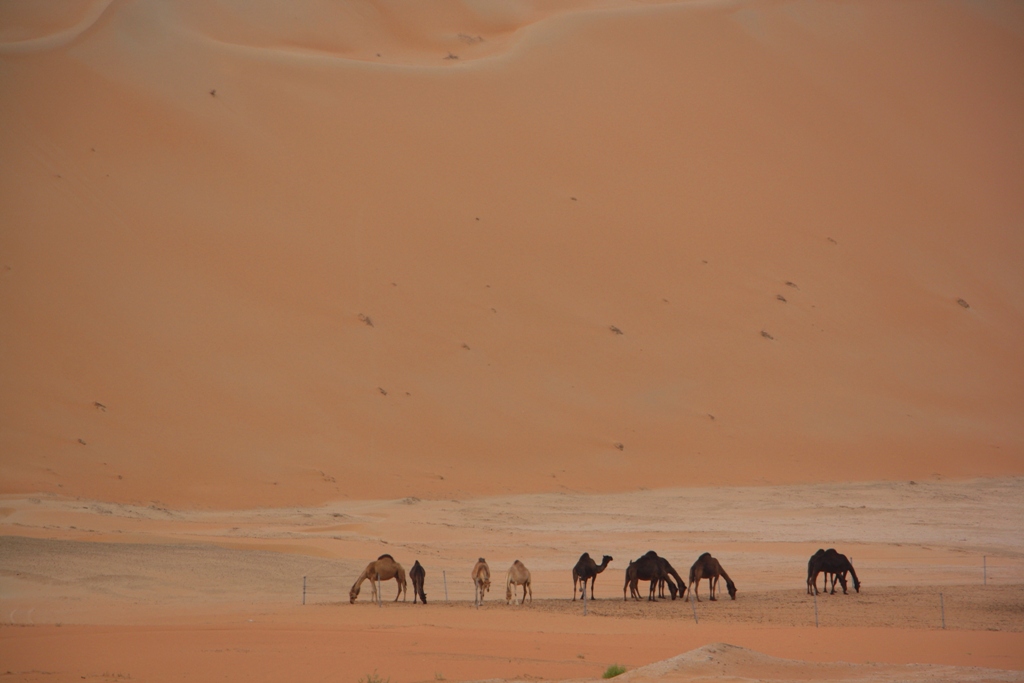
{"x":247,"y":267}
{"x":721,"y":661}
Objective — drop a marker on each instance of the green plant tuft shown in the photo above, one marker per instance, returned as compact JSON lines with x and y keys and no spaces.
{"x":374,"y":678}
{"x":613,"y":671}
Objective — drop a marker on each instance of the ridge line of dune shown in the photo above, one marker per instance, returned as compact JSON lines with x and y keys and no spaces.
{"x":60,"y":38}
{"x":518,"y":36}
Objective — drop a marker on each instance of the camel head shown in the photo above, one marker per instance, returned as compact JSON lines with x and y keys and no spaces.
{"x":508,"y":593}
{"x":353,"y":594}
{"x":606,"y":559}
{"x":486,"y":585}
{"x":731,"y":587}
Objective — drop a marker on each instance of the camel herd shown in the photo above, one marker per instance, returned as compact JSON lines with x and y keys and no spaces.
{"x":648,"y":567}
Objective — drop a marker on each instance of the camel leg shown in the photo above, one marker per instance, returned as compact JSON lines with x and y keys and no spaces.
{"x":592,"y":580}
{"x":694,"y":585}
{"x":530,"y":586}
{"x":713,"y":582}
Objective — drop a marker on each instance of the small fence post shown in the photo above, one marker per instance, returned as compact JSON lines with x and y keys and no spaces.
{"x":984,"y":569}
{"x":942,"y":606}
{"x":815,"y":607}
{"x":379,"y":604}
{"x":303,"y":590}
{"x":693,"y":604}
{"x":445,"y":576}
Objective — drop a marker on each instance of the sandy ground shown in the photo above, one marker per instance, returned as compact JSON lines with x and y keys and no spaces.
{"x":225,"y":587}
{"x":286,"y":285}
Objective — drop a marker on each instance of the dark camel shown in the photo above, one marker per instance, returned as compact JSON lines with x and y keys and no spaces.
{"x":707,"y":567}
{"x":586,"y":569}
{"x":417,"y":574}
{"x":830,"y":562}
{"x":651,"y":567}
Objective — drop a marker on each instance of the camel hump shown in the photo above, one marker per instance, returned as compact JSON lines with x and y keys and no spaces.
{"x":385,"y":556}
{"x":416,"y":564}
{"x":482,"y":560}
{"x":584,"y":556}
{"x":705,"y":556}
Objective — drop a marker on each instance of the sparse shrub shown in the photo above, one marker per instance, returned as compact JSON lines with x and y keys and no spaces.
{"x":613,"y":671}
{"x":374,"y":678}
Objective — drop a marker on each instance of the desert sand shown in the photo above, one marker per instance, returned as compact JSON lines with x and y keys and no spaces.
{"x":284,"y":286}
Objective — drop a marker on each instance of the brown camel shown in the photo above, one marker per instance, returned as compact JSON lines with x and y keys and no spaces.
{"x":651,"y":567}
{"x":385,"y":568}
{"x":585,"y":569}
{"x":417,"y":575}
{"x":481,"y":580}
{"x":830,"y":562}
{"x":707,"y":567}
{"x":518,"y":575}
{"x":631,"y":581}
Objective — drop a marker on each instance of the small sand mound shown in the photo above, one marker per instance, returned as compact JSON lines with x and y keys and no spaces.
{"x":721,"y":661}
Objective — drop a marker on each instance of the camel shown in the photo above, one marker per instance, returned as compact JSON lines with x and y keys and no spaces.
{"x":585,"y":569}
{"x":386,"y":569}
{"x":417,"y":574}
{"x":830,"y":562}
{"x":631,"y":581}
{"x":707,"y":567}
{"x":815,"y":558}
{"x":481,"y":580}
{"x":518,"y":575}
{"x":651,"y":567}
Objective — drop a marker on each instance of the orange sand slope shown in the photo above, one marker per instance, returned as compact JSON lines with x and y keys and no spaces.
{"x":584,"y":246}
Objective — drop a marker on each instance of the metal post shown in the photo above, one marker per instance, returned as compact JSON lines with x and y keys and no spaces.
{"x":378,"y":590}
{"x":693,"y":603}
{"x":445,"y":575}
{"x":815,"y":607}
{"x":303,"y":590}
{"x":984,"y":568}
{"x":942,"y":606}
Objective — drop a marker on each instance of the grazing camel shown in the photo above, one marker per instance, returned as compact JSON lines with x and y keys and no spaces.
{"x":386,"y":568}
{"x":707,"y":567}
{"x":812,"y":563}
{"x":811,"y":567}
{"x":651,"y":567}
{"x":669,"y":570}
{"x":417,"y":574}
{"x":481,"y":580}
{"x":585,"y":569}
{"x":518,"y":575}
{"x":830,"y":562}
{"x":631,"y":581}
